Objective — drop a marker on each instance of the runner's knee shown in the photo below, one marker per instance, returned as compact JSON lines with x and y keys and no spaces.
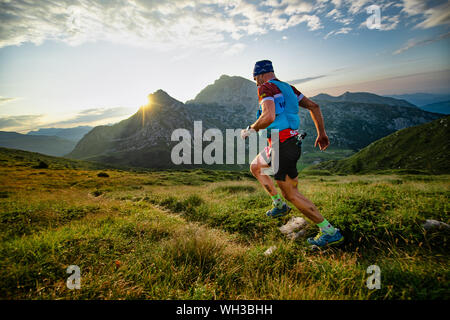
{"x":254,"y":167}
{"x":287,"y":191}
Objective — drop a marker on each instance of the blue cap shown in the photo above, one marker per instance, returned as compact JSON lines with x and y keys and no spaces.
{"x":262,"y":66}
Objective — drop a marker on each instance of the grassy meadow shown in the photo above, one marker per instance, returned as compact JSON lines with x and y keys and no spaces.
{"x":200,"y":234}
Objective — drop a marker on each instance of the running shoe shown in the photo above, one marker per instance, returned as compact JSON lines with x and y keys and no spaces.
{"x":322,"y":239}
{"x":278,"y":212}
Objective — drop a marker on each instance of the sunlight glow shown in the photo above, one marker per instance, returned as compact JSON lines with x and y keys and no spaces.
{"x":145,"y":107}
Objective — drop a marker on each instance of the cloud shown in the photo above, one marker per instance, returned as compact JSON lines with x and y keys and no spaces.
{"x":334,"y":12}
{"x":345,"y":21}
{"x":420,"y":13}
{"x":189,"y":24}
{"x":390,"y":23}
{"x":356,"y":5}
{"x":164,"y":24}
{"x":96,"y":114}
{"x":142,"y":23}
{"x":87,"y":116}
{"x":387,"y":23}
{"x":312,"y":21}
{"x":431,"y":82}
{"x":158,"y":24}
{"x":340,"y":69}
{"x":283,"y":15}
{"x":434,"y":15}
{"x":413,"y":7}
{"x":337,"y":3}
{"x":303,"y":80}
{"x":337,"y":16}
{"x":19,"y":121}
{"x":415,"y":43}
{"x":344,"y":30}
{"x":295,"y":7}
{"x":6,"y":100}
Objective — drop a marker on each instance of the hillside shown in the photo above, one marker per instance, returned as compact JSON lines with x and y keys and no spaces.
{"x":364,"y":97}
{"x":26,"y":159}
{"x":73,"y":134}
{"x":352,"y":125}
{"x":442,"y":107}
{"x":425,"y":148}
{"x":144,"y":139}
{"x":50,"y":145}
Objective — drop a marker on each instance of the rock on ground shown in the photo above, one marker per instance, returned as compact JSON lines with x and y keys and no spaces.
{"x":434,"y":224}
{"x":270,"y":250}
{"x":294,"y":228}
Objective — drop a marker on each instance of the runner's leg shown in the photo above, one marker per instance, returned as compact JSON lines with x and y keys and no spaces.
{"x":266,"y":181}
{"x":303,"y":204}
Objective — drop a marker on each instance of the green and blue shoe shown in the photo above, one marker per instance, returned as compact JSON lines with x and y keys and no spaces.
{"x":322,"y":239}
{"x":279,"y":212}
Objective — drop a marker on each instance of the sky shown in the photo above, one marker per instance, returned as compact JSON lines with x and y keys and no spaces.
{"x":69,"y":63}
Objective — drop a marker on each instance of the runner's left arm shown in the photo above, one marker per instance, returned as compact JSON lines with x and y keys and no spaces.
{"x":316,"y":115}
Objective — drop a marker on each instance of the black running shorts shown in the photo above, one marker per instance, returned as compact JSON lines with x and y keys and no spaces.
{"x":290,"y":152}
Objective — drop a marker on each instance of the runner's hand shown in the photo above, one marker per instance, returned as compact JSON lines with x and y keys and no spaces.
{"x":246,"y":132}
{"x":323,"y":142}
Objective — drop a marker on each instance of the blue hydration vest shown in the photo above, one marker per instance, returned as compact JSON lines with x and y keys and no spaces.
{"x":286,"y":109}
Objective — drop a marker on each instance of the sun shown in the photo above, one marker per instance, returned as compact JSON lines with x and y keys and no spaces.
{"x":149,"y":100}
{"x":147,"y":104}
{"x":145,"y":107}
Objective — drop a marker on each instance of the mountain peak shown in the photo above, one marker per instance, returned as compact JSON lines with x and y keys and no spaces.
{"x":230,"y":91}
{"x":159,"y":93}
{"x":161,"y":97}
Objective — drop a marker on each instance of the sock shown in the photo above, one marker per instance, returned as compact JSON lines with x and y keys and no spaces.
{"x":277,"y":201}
{"x":326,"y":227}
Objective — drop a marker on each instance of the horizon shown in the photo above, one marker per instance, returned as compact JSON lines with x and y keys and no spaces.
{"x":184,"y":102}
{"x":95,"y":63}
{"x":52,"y":126}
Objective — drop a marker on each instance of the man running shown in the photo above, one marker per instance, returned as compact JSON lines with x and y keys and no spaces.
{"x":278,"y":110}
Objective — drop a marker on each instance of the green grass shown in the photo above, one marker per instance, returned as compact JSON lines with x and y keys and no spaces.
{"x":419,"y":149}
{"x":311,"y":156}
{"x":200,"y":234}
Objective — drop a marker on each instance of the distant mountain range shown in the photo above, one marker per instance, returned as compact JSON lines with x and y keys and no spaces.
{"x":438,"y":107}
{"x":50,"y":145}
{"x":73,"y":134}
{"x":352,"y":121}
{"x":425,"y":148}
{"x":422,"y":99}
{"x":364,"y":97}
